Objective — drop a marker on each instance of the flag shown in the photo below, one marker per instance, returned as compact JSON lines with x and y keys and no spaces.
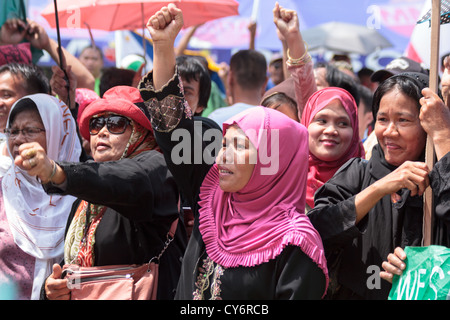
{"x":445,"y":14}
{"x":426,"y":277}
{"x":129,"y":50}
{"x":418,"y":48}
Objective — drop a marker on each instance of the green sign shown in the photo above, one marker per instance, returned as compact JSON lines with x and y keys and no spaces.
{"x":426,"y":277}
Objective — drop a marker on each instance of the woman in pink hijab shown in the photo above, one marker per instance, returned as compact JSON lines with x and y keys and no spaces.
{"x":332,"y":121}
{"x":252,"y":213}
{"x":251,"y":238}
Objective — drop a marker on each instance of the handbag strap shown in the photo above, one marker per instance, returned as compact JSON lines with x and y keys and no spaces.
{"x":169,"y":239}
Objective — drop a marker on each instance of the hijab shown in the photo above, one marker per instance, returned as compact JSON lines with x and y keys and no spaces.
{"x":37,"y":220}
{"x":121,"y":100}
{"x":252,"y":226}
{"x":321,"y":171}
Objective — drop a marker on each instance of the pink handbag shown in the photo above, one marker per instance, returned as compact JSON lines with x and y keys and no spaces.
{"x":119,"y":282}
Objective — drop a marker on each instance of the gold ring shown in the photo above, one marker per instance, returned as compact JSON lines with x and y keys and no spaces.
{"x":32,"y":162}
{"x":30,"y":153}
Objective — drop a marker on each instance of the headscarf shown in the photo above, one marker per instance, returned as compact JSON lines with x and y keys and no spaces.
{"x":83,"y":97}
{"x":419,"y":79}
{"x":37,"y":220}
{"x":252,"y":226}
{"x":321,"y":171}
{"x":121,"y":100}
{"x":286,"y":87}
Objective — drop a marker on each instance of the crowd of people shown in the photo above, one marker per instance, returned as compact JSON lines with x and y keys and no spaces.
{"x":283,"y":179}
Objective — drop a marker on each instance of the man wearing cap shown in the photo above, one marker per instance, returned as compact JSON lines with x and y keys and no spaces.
{"x":276,"y":72}
{"x":396,"y":66}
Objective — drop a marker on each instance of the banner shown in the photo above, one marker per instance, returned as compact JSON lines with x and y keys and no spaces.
{"x":418,"y":48}
{"x":426,"y":277}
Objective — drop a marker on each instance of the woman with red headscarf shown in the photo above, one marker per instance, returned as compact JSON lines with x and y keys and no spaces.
{"x":127,"y":198}
{"x":332,"y":121}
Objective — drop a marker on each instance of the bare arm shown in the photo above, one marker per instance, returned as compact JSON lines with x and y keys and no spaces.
{"x":295,"y":55}
{"x":252,"y":29}
{"x":184,"y":41}
{"x":15,"y":30}
{"x":288,"y":27}
{"x":435,"y":119}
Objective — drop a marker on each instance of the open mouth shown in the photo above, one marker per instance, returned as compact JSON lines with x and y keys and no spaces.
{"x":223,"y":170}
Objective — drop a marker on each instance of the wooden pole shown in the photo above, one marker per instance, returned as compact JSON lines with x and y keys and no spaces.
{"x":429,"y":149}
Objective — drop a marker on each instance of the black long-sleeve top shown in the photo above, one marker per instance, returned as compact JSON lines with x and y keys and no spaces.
{"x":291,"y":275}
{"x":142,"y":200}
{"x":386,"y":226}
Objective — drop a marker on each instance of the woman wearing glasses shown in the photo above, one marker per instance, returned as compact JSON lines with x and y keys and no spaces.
{"x":32,"y":222}
{"x":127,"y":198}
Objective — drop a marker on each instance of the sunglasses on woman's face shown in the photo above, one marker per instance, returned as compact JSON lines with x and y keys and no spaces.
{"x":114,"y":124}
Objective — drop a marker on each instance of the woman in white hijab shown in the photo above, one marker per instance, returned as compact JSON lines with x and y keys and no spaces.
{"x":32,"y":223}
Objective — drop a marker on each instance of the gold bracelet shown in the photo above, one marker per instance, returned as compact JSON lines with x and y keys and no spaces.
{"x":51,"y":175}
{"x":298,"y":60}
{"x":301,"y":62}
{"x":53,"y":172}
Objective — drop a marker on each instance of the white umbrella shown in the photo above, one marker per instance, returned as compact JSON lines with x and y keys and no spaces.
{"x":345,"y":38}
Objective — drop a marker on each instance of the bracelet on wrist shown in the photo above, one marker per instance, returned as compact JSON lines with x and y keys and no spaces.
{"x":53,"y":171}
{"x":305,"y":58}
{"x":54,"y":168}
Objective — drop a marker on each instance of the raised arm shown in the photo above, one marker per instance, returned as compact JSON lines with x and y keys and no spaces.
{"x":299,"y":62}
{"x":164,"y":27}
{"x":435,"y":119}
{"x":15,"y":30}
{"x":170,"y":114}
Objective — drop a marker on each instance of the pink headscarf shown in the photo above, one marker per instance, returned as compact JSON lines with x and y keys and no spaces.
{"x":83,"y":97}
{"x":253,"y":225}
{"x":321,"y":171}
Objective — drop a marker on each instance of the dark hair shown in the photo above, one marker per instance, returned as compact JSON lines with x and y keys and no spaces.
{"x":25,"y":104}
{"x":191,"y":68}
{"x":410,"y":83}
{"x":113,"y":77}
{"x":34,"y":79}
{"x":337,"y":78}
{"x":249,"y":68}
{"x":279,"y":98}
{"x":365,"y":72}
{"x":366,"y":97}
{"x":91,"y":46}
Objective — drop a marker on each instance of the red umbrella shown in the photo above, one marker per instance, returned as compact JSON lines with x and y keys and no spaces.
{"x":113,"y":15}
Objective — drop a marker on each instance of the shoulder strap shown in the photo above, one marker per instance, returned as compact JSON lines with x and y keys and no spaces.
{"x":170,"y":237}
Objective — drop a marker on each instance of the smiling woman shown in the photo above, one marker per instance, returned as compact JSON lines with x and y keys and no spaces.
{"x":368,"y":208}
{"x":331,"y":117}
{"x":398,"y":128}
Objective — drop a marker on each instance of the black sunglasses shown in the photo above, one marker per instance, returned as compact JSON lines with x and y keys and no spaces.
{"x":115,"y":124}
